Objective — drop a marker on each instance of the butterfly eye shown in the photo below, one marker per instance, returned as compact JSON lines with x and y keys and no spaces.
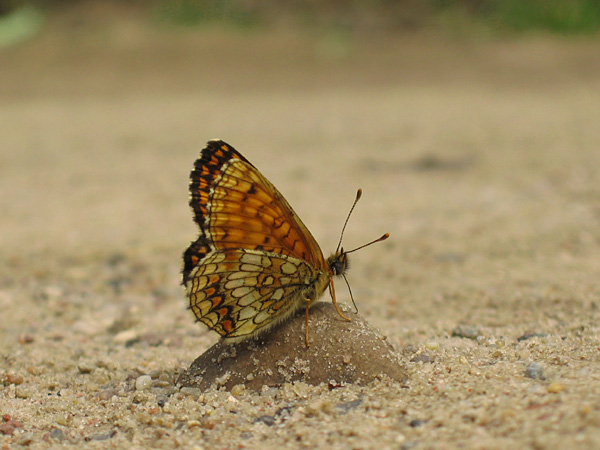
{"x":337,"y":268}
{"x":339,"y":265}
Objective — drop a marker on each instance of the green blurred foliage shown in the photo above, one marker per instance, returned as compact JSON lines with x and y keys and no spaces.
{"x":339,"y":14}
{"x":570,"y":16}
{"x":18,"y":25}
{"x":556,"y":16}
{"x":197,"y":12}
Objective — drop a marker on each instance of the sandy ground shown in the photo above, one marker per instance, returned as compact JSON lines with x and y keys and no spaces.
{"x":480,"y":158}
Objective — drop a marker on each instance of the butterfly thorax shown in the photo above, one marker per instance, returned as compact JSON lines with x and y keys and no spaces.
{"x":338,"y":262}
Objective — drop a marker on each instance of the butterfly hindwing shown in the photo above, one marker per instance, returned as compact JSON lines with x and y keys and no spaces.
{"x":239,"y":293}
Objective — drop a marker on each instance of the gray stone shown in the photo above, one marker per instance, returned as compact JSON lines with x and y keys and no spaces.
{"x":535,"y":370}
{"x":466,"y":331}
{"x":340,"y":353}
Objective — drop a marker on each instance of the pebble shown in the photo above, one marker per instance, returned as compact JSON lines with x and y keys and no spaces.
{"x":527,"y":336}
{"x":26,"y":338}
{"x":85,"y":367}
{"x":555,"y":387}
{"x":345,"y":407}
{"x":140,"y":397}
{"x":417,"y":423}
{"x":161,"y":400}
{"x":11,"y":378}
{"x":267,"y":420}
{"x":160,"y":383}
{"x":24,"y":439}
{"x":8,"y":426}
{"x":301,"y":389}
{"x":57,"y":433}
{"x":125,"y":336}
{"x":143,"y":382}
{"x":465,"y":331}
{"x":164,"y":377}
{"x":237,"y":390}
{"x":585,"y":410}
{"x":220,"y":381}
{"x":23,"y":393}
{"x":315,"y":407}
{"x":432,"y":345}
{"x":62,"y":420}
{"x":497,"y":354}
{"x":423,"y":358}
{"x":191,"y":391}
{"x":193,"y":423}
{"x":101,"y":436}
{"x":535,"y":370}
{"x":106,"y":394}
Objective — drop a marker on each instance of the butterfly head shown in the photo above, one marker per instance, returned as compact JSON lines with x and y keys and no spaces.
{"x":338,"y":262}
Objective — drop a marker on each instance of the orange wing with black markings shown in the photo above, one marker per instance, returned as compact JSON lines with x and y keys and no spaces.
{"x":236,"y":207}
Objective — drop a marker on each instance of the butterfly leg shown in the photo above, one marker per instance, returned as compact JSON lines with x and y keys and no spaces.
{"x":337,"y":308}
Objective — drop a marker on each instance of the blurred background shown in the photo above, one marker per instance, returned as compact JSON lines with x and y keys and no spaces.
{"x":472,"y":127}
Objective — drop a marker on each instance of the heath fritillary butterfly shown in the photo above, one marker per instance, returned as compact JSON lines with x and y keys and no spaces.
{"x":255,"y":263}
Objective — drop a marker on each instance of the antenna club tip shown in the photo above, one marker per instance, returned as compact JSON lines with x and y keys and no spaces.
{"x":385,"y":236}
{"x":358,"y":194}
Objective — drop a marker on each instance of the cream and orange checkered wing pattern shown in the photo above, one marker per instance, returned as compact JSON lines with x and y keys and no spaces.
{"x":240,"y":293}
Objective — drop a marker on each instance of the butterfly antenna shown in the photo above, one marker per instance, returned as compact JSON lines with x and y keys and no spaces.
{"x":351,"y":296}
{"x":382,"y":238}
{"x":358,"y":195}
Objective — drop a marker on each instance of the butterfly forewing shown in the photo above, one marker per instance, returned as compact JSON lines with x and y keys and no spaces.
{"x":248,"y":212}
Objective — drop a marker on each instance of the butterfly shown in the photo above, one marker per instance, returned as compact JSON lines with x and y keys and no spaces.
{"x":254,"y":263}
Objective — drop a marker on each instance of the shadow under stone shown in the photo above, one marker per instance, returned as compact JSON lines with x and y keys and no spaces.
{"x":340,"y":353}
